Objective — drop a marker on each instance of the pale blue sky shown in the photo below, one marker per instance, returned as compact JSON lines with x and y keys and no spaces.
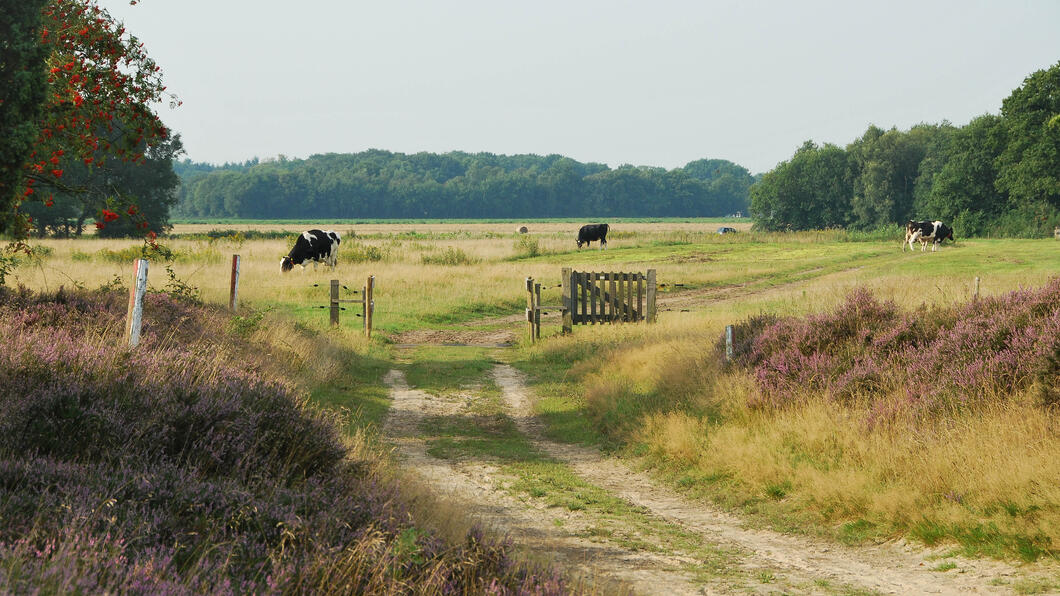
{"x":656,"y":83}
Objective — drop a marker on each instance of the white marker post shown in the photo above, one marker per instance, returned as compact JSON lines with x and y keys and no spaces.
{"x":134,"y":318}
{"x":728,"y":343}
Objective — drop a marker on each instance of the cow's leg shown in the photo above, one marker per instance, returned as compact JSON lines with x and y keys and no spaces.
{"x":912,"y":238}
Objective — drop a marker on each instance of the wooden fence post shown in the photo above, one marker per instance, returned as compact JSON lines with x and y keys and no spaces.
{"x":530,"y":308}
{"x":651,"y":296}
{"x":134,"y":317}
{"x":537,"y":311}
{"x":975,"y":294}
{"x":369,"y":305}
{"x":568,"y":318}
{"x":233,"y":296}
{"x":334,"y":302}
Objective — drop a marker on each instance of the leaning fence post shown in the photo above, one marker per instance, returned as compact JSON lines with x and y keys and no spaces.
{"x":369,"y":305}
{"x":652,"y":313}
{"x":233,"y":297}
{"x":568,"y":318}
{"x":334,"y":302}
{"x":134,"y":317}
{"x":728,"y":343}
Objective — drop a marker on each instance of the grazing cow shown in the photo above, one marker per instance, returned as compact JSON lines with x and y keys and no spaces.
{"x":318,"y":246}
{"x":927,"y":231}
{"x":593,"y":232}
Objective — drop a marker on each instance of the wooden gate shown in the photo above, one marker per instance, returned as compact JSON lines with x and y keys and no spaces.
{"x":591,"y":298}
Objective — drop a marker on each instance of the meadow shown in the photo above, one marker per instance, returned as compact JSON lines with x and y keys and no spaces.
{"x":836,"y":452}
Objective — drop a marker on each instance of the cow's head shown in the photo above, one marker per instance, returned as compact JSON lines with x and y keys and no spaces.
{"x":579,"y":241}
{"x":286,"y":264}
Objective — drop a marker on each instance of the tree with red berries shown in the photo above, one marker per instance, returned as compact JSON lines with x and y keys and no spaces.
{"x":76,"y":92}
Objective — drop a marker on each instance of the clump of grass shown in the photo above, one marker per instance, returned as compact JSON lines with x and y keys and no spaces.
{"x":527,"y":247}
{"x":136,"y":251}
{"x":360,"y":252}
{"x":451,"y":256}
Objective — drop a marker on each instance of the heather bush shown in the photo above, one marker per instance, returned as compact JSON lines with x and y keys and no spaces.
{"x":936,"y":358}
{"x":179,"y":468}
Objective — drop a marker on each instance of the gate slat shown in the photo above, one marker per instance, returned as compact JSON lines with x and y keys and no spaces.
{"x":640,"y":297}
{"x":626,"y":297}
{"x":583,"y":291}
{"x":581,"y":296}
{"x":594,"y":297}
{"x":613,"y":286}
{"x":605,"y":302}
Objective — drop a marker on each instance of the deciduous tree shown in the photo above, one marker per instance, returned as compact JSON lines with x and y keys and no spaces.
{"x":86,"y":96}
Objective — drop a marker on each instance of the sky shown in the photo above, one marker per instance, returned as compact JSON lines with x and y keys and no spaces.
{"x":651,"y":83}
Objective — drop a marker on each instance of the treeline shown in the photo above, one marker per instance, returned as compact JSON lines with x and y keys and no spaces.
{"x":383,"y":184}
{"x":998,"y":175}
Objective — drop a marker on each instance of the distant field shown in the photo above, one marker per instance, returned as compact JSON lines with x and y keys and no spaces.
{"x":432,"y":274}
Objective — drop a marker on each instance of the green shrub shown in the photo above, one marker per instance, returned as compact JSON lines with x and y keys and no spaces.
{"x":527,"y":247}
{"x":131,"y":253}
{"x":450,"y":256}
{"x":362,"y":253}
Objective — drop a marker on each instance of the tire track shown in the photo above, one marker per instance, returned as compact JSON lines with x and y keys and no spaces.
{"x":474,"y":486}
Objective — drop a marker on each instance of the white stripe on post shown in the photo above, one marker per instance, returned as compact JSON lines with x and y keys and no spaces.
{"x":233,"y":299}
{"x":134,"y":318}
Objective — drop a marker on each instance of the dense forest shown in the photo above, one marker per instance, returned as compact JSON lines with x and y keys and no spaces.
{"x":383,"y":184}
{"x":997,"y":175}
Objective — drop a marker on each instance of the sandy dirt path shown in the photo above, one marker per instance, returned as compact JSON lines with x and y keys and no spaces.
{"x":476,"y":486}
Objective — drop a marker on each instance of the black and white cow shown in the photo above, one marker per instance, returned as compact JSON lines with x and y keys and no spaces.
{"x":927,"y":231}
{"x":593,"y":232}
{"x":319,"y":246}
